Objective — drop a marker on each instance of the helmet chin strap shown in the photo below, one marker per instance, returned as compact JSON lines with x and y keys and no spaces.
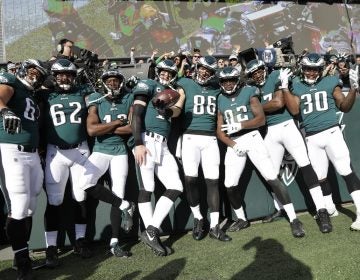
{"x":65,"y":87}
{"x":310,"y":81}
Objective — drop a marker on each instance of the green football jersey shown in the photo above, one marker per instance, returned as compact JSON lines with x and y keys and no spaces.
{"x":154,"y":122}
{"x":65,"y":119}
{"x":108,"y":111}
{"x":24,"y":105}
{"x":317,"y":104}
{"x":200,"y":105}
{"x":267,"y":93}
{"x":236,"y":108}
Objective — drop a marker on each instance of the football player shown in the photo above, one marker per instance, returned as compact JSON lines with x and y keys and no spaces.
{"x":67,"y":152}
{"x":199,"y":145}
{"x":315,"y":98}
{"x":240,"y":114}
{"x":283,"y":133}
{"x":22,"y":175}
{"x":151,"y":128}
{"x":108,"y":121}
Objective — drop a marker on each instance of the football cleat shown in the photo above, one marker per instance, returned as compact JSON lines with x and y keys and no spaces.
{"x":238,"y":225}
{"x":127,"y":217}
{"x":355,"y":225}
{"x":51,"y":255}
{"x":323,"y":220}
{"x":297,"y":228}
{"x":277,"y":215}
{"x":217,"y":233}
{"x":81,"y":248}
{"x":198,"y":232}
{"x":150,"y":237}
{"x":117,"y":251}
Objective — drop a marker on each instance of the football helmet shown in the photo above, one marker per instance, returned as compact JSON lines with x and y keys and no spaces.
{"x":31,"y":80}
{"x":170,"y":67}
{"x":312,"y":66}
{"x":256,"y":70}
{"x":112,"y":87}
{"x":65,"y":73}
{"x":229,"y":79}
{"x":205,"y":69}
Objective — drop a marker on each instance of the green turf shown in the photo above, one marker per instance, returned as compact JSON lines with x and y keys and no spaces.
{"x":262,"y":251}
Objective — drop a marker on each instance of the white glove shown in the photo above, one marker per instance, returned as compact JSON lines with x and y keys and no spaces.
{"x":231,"y":128}
{"x":284,"y":77}
{"x":238,"y":151}
{"x":354,"y":77}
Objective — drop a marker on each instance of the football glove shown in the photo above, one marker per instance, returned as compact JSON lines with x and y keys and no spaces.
{"x":11,"y":122}
{"x":231,"y":128}
{"x":354,"y":77}
{"x":238,"y":151}
{"x":284,"y":77}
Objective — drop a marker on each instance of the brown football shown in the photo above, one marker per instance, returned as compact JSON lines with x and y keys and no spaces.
{"x":168,"y":97}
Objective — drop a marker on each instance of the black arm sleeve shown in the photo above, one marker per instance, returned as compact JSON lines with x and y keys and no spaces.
{"x":137,"y":119}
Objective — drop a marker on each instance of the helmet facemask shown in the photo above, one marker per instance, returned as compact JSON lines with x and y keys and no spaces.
{"x":170,"y":68}
{"x":312,"y":66}
{"x":31,"y":74}
{"x":64,"y":80}
{"x":113,"y":86}
{"x":229,"y":79}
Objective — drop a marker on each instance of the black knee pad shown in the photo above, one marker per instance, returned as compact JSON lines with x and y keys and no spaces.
{"x":352,"y":182}
{"x":144,"y":196}
{"x":310,"y":177}
{"x":280,"y":191}
{"x":172,"y":194}
{"x":325,"y":187}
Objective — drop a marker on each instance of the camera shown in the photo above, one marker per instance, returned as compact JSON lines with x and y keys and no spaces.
{"x":84,"y":55}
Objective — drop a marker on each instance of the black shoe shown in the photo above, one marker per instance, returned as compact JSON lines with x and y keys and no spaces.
{"x":117,"y":251}
{"x":150,"y":237}
{"x":23,"y":262}
{"x":52,"y":259}
{"x":217,"y":233}
{"x":238,"y":224}
{"x":198,"y":232}
{"x":297,"y":228}
{"x":81,"y":248}
{"x":127,"y":217}
{"x":323,"y":220}
{"x":277,"y":215}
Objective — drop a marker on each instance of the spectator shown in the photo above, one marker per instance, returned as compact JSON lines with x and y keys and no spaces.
{"x":11,"y":67}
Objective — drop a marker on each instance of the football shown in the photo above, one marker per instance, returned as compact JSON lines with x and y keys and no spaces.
{"x":166,"y":98}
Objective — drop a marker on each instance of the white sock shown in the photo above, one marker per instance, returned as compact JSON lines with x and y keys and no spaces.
{"x":196,"y":212}
{"x":80,"y":230}
{"x":317,"y":197}
{"x":329,"y":203}
{"x":356,"y":198}
{"x":113,"y":241}
{"x":290,"y":211}
{"x":51,"y":238}
{"x":214,"y":219}
{"x":124,"y":204}
{"x":146,"y":212}
{"x":162,"y":209}
{"x":240,"y":213}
